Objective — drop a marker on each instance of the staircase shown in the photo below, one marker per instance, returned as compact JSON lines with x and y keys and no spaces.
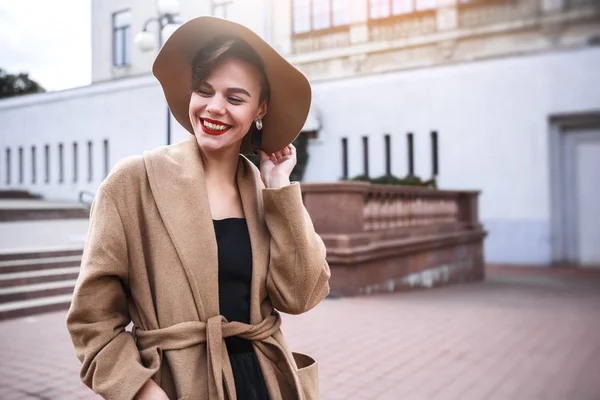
{"x":36,"y":282}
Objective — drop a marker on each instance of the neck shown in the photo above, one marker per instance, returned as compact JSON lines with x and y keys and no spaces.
{"x":221,"y":167}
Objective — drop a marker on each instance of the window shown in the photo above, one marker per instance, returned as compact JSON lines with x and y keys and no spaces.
{"x":75,"y":160}
{"x":90,"y":162}
{"x":21,"y":165}
{"x":387,"y":8}
{"x":47,"y":162}
{"x":222,"y":8}
{"x":434,"y":153}
{"x":344,"y":158}
{"x":61,"y":163}
{"x":106,"y":162}
{"x":388,"y":155}
{"x":121,"y":38}
{"x":411,"y":165}
{"x":314,"y":15}
{"x":8,"y":166}
{"x":365,"y":141}
{"x":33,"y":165}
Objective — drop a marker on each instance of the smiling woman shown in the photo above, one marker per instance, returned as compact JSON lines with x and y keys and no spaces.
{"x":196,"y":245}
{"x":230,"y":93}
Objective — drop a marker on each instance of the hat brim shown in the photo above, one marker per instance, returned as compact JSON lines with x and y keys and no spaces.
{"x":290,"y":96}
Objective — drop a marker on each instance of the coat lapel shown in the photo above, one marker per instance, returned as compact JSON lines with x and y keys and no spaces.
{"x":176,"y":177}
{"x":250,"y":187}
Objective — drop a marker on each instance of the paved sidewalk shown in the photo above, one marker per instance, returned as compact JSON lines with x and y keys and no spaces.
{"x":523,"y":334}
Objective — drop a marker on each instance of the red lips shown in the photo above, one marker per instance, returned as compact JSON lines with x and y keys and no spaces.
{"x":210,"y":131}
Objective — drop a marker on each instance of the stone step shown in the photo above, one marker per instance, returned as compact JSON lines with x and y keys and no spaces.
{"x":42,"y":212}
{"x":18,"y":194}
{"x":8,"y":255}
{"x":16,"y":309}
{"x":33,"y":277}
{"x":38,"y":264}
{"x":36,"y":291}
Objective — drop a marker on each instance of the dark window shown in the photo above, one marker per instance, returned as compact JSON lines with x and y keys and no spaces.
{"x":411,"y":168}
{"x":47,"y":162}
{"x":61,"y":163}
{"x":315,"y":15}
{"x":387,"y":8}
{"x":75,"y":162}
{"x":33,"y":165}
{"x":365,"y":141}
{"x":90,"y":162}
{"x":344,"y":158}
{"x":434,"y":153}
{"x":121,"y":38}
{"x":8,"y":166}
{"x":388,"y":155}
{"x":222,"y":8}
{"x":21,"y":165}
{"x":106,"y":160}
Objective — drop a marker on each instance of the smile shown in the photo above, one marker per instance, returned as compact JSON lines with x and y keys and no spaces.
{"x":213,"y":127}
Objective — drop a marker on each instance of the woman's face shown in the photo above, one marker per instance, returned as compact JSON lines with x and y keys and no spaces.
{"x":225,"y":105}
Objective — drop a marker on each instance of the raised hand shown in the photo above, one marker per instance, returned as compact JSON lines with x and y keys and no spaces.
{"x":275,"y":168}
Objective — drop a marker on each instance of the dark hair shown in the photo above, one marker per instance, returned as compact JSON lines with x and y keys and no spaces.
{"x":226,"y":47}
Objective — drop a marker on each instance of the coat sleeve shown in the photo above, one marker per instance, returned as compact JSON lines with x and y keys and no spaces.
{"x":98,"y":315}
{"x":298,"y":274}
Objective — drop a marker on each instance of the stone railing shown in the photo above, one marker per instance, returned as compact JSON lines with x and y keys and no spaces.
{"x":384,"y":238}
{"x":483,"y":13}
{"x":389,"y":207}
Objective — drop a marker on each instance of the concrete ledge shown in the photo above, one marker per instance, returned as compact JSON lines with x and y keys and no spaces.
{"x":382,"y":238}
{"x":426,"y":267}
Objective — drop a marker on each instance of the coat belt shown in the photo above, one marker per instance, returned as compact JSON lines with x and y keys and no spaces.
{"x":213,"y":332}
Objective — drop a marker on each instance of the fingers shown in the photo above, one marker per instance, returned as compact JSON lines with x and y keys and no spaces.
{"x":287,"y":151}
{"x":278,"y":156}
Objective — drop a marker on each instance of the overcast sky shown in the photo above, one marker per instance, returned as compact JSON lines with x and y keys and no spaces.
{"x":49,"y":39}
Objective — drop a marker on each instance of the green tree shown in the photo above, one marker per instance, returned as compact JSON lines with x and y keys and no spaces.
{"x":16,"y":85}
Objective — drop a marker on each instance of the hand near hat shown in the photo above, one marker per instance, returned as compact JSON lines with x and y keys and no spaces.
{"x":275,"y":169}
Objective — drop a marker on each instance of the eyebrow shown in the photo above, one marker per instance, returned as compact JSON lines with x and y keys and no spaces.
{"x":233,"y":90}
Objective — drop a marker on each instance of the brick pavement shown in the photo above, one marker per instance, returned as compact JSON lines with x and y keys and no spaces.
{"x":523,"y":334}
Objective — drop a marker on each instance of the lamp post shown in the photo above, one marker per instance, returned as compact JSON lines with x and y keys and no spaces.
{"x":145,"y":40}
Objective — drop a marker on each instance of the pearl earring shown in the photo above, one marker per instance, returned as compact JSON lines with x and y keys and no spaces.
{"x":259,"y":124}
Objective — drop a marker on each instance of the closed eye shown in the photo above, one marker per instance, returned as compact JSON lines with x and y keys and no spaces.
{"x":235,"y":100}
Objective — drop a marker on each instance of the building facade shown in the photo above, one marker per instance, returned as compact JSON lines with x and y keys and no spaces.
{"x":495,"y":95}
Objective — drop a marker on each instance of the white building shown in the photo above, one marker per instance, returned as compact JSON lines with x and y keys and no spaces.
{"x":511,"y":89}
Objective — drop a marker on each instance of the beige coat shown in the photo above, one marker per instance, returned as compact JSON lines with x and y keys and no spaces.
{"x":151,"y":258}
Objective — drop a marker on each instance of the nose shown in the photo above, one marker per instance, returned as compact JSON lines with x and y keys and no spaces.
{"x":216,"y":106}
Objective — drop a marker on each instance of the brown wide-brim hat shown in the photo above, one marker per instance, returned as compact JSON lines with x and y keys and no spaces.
{"x":290,"y":98}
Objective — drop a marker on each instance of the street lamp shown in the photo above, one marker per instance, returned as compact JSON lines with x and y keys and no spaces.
{"x":145,"y":40}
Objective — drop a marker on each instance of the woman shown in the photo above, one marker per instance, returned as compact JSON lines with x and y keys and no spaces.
{"x":198,"y":248}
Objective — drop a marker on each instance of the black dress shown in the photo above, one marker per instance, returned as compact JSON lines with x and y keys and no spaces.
{"x":235,"y":277}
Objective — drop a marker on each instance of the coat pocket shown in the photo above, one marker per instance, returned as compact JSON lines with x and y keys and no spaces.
{"x":308,"y":372}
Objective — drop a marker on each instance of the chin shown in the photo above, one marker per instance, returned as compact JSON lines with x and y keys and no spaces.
{"x":210,"y":144}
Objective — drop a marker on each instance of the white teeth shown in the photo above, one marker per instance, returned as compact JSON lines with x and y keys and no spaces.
{"x":214,"y":127}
